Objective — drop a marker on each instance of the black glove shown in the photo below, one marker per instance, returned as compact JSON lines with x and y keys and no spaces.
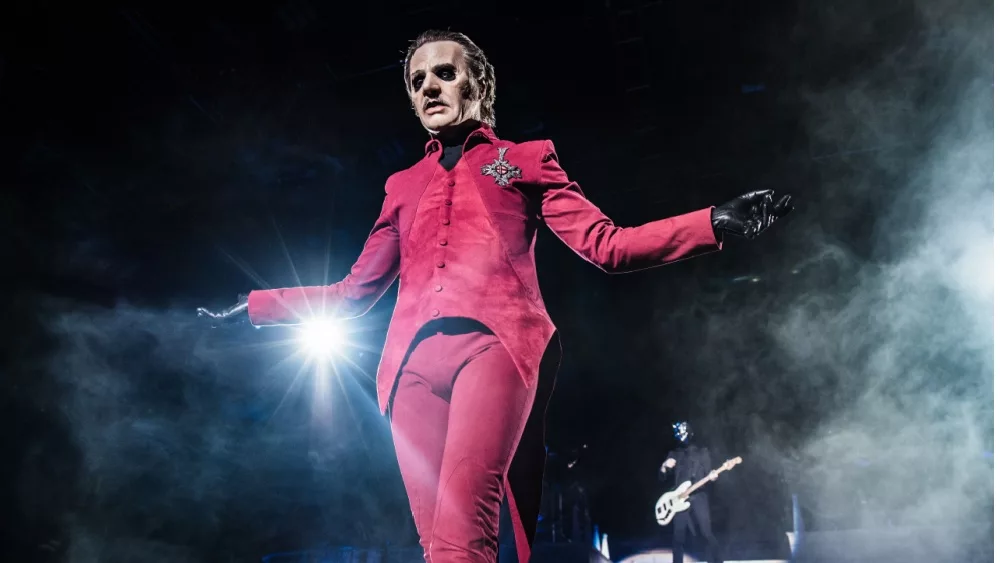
{"x":230,"y":315}
{"x":749,"y":214}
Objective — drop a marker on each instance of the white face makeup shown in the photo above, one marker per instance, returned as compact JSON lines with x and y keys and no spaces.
{"x":440,"y":86}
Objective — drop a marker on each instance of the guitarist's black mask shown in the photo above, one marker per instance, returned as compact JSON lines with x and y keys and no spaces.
{"x":683,"y":432}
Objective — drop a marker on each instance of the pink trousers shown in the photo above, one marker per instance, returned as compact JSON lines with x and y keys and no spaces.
{"x":458,"y":412}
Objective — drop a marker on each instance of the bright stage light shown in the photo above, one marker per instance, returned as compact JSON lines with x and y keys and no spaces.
{"x":321,"y":338}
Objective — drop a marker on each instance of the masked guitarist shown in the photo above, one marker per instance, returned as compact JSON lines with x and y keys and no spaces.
{"x":690,"y":462}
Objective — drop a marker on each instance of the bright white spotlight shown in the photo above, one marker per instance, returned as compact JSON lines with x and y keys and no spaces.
{"x":321,"y":338}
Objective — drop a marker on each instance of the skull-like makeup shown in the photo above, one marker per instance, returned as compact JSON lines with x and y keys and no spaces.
{"x":441,"y":88}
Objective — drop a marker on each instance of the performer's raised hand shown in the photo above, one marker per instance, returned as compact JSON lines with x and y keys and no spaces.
{"x":230,"y":315}
{"x":750,"y":214}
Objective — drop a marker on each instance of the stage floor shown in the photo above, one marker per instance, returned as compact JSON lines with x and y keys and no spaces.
{"x":665,"y":556}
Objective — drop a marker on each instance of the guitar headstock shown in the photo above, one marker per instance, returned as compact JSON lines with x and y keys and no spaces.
{"x":732,"y":463}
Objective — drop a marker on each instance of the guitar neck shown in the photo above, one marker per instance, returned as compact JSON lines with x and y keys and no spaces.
{"x":724,"y":467}
{"x":696,"y":486}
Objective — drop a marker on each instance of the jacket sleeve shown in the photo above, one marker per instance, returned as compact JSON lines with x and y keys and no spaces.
{"x":371,"y":275}
{"x":593,"y":236}
{"x":663,"y":476}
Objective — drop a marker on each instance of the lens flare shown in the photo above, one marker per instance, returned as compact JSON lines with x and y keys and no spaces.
{"x":322,"y":338}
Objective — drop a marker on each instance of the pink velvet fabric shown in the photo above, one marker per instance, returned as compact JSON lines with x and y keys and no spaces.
{"x":508,"y":300}
{"x":462,"y":243}
{"x":458,"y":413}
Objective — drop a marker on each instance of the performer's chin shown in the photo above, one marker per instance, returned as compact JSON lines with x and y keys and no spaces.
{"x":437,"y":119}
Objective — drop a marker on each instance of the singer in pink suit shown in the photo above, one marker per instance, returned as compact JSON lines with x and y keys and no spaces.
{"x":471,"y":353}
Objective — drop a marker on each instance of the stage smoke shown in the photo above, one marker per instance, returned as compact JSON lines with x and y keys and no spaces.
{"x":860,"y":369}
{"x":185,"y":433}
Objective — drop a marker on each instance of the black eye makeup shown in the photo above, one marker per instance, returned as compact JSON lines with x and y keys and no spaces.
{"x":445,"y":72}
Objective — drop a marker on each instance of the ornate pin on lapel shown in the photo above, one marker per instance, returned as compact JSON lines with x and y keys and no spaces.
{"x":501,"y":169}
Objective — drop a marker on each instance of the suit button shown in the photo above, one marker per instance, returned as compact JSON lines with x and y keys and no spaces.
{"x":445,"y":221}
{"x":435,"y":313}
{"x":447,"y":202}
{"x":438,"y":288}
{"x":440,"y":264}
{"x":443,"y":242}
{"x":451,"y":182}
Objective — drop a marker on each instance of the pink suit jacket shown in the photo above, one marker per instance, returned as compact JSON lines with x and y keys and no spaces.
{"x":522,"y":187}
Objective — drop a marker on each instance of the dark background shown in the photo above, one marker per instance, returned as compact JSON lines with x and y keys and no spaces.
{"x":157,"y":158}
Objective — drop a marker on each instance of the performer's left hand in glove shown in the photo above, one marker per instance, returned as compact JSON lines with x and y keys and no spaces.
{"x":231,"y":315}
{"x":750,"y":214}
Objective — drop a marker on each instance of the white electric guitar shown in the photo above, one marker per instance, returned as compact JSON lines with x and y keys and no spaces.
{"x":677,"y":500}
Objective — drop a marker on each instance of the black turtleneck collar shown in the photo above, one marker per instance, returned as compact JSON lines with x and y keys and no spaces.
{"x":457,"y":136}
{"x":453,"y":143}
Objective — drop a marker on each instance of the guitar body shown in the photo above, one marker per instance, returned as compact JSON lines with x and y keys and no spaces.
{"x":677,"y":500}
{"x":671,"y":503}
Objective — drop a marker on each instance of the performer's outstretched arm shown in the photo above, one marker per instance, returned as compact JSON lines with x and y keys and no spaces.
{"x":592,"y":235}
{"x":372,"y":274}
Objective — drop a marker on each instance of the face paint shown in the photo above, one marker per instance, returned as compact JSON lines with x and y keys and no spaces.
{"x":441,"y":88}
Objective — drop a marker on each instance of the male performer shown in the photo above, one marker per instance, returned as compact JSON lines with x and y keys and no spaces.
{"x":462,"y":375}
{"x":691,"y":463}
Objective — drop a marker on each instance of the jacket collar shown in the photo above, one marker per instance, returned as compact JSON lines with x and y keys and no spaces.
{"x":482,"y":134}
